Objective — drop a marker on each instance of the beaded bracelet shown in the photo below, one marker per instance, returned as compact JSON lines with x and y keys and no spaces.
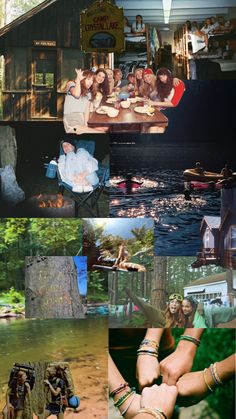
{"x":190,"y":339}
{"x":204,"y":376}
{"x":127,"y":408}
{"x":125,"y":397}
{"x":149,"y":342}
{"x":157,"y":413}
{"x":117,"y":390}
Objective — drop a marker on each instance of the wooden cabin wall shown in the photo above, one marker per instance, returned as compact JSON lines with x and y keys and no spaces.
{"x":22,"y":99}
{"x":59,"y":22}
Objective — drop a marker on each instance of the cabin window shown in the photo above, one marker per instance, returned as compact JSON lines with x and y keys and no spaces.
{"x":207,"y":238}
{"x":44,"y":66}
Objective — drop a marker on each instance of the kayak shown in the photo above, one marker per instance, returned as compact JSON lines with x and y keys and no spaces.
{"x":192,"y":174}
{"x":204,"y":185}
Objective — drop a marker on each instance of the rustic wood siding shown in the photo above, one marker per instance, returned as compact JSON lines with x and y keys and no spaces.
{"x":60,"y":22}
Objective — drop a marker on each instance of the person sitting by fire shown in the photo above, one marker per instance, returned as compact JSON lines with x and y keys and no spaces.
{"x":18,"y":390}
{"x":122,"y":261}
{"x":77,"y":168}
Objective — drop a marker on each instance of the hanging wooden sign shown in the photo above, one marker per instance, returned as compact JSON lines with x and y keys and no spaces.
{"x":39,"y":43}
{"x":102,"y":28}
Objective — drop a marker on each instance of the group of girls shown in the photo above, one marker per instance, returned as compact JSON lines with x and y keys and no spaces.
{"x":86,"y":92}
{"x":187,"y":312}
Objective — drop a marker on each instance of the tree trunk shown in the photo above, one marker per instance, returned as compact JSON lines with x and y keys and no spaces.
{"x":158,"y":289}
{"x":230,"y":286}
{"x":8,"y":147}
{"x":51,"y":288}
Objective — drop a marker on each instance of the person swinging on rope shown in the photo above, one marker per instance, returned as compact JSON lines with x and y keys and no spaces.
{"x":122,"y":261}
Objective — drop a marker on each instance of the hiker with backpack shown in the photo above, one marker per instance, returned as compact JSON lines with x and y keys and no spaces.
{"x":55,"y":394}
{"x":18,"y":390}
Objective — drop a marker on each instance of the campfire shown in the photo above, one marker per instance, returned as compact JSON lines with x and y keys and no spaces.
{"x":50,"y":206}
{"x":56,"y":203}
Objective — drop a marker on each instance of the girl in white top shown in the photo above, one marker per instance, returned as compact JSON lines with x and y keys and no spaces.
{"x":138,"y":27}
{"x":77,"y":103}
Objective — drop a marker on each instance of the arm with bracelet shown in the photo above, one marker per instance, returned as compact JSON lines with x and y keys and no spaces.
{"x":201,"y":383}
{"x":125,"y":398}
{"x":148,"y":368}
{"x":157,"y":401}
{"x":181,"y":361}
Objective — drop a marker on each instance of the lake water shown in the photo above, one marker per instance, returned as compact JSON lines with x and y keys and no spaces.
{"x":177,"y":220}
{"x":75,"y":341}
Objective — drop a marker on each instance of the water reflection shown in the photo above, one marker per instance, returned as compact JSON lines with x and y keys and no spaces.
{"x":37,"y":340}
{"x":161,"y":196}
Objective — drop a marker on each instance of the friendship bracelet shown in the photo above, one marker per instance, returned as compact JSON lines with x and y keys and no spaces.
{"x":125,"y":397}
{"x":127,"y":408}
{"x":149,"y":342}
{"x":216,"y":374}
{"x":157,"y":413}
{"x":190,"y":339}
{"x":118,"y":389}
{"x":147,"y":350}
{"x":148,"y":353}
{"x":204,"y":376}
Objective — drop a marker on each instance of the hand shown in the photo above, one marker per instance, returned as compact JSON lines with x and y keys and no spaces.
{"x":147,"y":370}
{"x":176,"y":81}
{"x":162,"y":397}
{"x":191,"y":387}
{"x":46,"y":382}
{"x":133,"y":409}
{"x":176,"y":364}
{"x":79,"y":75}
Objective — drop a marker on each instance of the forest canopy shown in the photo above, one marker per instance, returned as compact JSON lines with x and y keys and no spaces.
{"x":20,"y":237}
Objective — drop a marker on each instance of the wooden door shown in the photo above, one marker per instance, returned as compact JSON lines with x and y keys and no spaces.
{"x":44,"y":64}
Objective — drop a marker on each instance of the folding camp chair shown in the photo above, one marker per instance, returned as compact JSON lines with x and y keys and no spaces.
{"x":85,"y":200}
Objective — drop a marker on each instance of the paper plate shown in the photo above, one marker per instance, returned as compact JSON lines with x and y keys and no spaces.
{"x":112,"y":100}
{"x":143,"y":109}
{"x":102,"y":110}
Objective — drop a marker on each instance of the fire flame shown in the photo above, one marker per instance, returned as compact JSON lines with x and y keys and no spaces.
{"x":56,"y":203}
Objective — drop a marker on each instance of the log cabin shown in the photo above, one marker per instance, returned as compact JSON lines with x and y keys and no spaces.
{"x":218,"y":234}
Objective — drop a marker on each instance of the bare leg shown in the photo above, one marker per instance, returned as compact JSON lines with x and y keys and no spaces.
{"x":18,"y":414}
{"x":82,"y":129}
{"x":156,"y":130}
{"x":5,"y":412}
{"x":47,"y":413}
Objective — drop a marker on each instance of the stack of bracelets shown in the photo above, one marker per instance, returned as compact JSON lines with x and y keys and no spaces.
{"x":214,"y":375}
{"x":148,"y":347}
{"x":190,"y":339}
{"x":153,"y":411}
{"x":130,"y":393}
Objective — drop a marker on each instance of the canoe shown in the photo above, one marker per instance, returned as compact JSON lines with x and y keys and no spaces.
{"x":192,"y":174}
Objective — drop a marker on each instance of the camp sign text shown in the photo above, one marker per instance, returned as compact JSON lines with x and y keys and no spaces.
{"x":102,"y":28}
